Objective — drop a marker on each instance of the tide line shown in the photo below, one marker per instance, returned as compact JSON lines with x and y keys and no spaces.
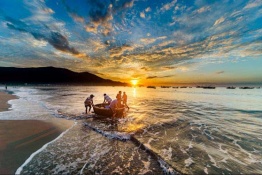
{"x":19,"y":170}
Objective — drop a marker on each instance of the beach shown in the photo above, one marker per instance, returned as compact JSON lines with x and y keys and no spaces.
{"x":4,"y":98}
{"x":20,"y":138}
{"x":190,"y":131}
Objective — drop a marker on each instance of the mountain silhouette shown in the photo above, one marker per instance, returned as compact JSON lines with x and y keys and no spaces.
{"x":51,"y":75}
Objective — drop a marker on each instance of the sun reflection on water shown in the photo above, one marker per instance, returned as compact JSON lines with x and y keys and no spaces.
{"x":134,"y":92}
{"x":133,"y":127}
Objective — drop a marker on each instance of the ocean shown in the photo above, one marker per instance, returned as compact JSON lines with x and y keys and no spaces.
{"x":166,"y":131}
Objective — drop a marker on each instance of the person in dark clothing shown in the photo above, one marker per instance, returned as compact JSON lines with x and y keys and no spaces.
{"x":125,"y":100}
{"x":119,"y":98}
{"x":89,"y":102}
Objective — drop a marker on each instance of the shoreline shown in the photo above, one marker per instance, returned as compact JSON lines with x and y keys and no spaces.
{"x":5,"y":97}
{"x":20,"y":169}
{"x":21,"y":138}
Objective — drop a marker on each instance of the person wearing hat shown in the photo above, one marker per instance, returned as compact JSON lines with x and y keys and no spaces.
{"x":89,"y":102}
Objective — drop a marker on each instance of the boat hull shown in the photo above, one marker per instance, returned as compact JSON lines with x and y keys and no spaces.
{"x":103,"y":112}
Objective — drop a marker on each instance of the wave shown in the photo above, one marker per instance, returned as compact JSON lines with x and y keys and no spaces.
{"x":167,"y":168}
{"x":20,"y":169}
{"x":112,"y":134}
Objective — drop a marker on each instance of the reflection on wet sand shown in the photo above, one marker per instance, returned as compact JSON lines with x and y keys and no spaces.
{"x":19,"y":138}
{"x":193,"y":131}
{"x":83,"y":151}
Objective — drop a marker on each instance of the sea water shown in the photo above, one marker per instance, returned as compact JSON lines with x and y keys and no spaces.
{"x":189,"y":130}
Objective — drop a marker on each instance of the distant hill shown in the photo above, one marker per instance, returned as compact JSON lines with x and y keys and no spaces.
{"x":51,"y":75}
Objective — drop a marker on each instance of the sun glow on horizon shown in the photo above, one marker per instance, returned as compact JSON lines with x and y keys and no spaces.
{"x":134,"y":82}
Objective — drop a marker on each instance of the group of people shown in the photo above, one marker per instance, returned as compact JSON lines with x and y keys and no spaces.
{"x":120,"y":101}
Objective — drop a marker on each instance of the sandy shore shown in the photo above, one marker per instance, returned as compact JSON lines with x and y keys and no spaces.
{"x":4,"y":98}
{"x":20,"y":138}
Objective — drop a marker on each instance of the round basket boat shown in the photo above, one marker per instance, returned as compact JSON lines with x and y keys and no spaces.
{"x":103,"y":111}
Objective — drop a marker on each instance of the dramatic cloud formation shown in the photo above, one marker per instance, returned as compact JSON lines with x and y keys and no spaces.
{"x":165,"y":41}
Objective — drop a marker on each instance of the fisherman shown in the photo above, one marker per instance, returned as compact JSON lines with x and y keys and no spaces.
{"x":89,"y":102}
{"x":119,"y":98}
{"x":113,"y":106}
{"x":125,"y":100}
{"x":107,"y":99}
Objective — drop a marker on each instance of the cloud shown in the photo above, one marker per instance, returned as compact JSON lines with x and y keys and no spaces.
{"x":55,"y":39}
{"x":168,"y":6}
{"x":168,"y":67}
{"x":40,"y":12}
{"x":36,"y":43}
{"x":48,"y":10}
{"x":73,"y":13}
{"x":142,"y":15}
{"x":151,"y":77}
{"x":165,"y":76}
{"x":121,"y":44}
{"x":220,"y":72}
{"x":152,"y":40}
{"x":96,"y":45}
{"x":220,"y":20}
{"x":92,"y":28}
{"x":119,"y":51}
{"x":148,"y":40}
{"x":165,"y":43}
{"x":253,"y":4}
{"x":145,"y":68}
{"x":148,"y":9}
{"x":101,"y":13}
{"x":203,"y":9}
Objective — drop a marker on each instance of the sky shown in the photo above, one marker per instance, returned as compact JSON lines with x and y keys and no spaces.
{"x":153,"y":41}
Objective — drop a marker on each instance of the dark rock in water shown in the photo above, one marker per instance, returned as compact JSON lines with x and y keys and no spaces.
{"x":231,"y":87}
{"x":246,"y":87}
{"x":153,"y":87}
{"x":209,"y":87}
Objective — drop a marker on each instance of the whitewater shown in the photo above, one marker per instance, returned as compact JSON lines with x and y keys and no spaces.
{"x":187,"y":131}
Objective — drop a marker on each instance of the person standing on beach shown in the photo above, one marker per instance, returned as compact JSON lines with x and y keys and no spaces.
{"x":113,"y":106}
{"x":89,"y":102}
{"x":125,"y":100}
{"x":107,"y":99}
{"x":5,"y":87}
{"x":119,"y":98}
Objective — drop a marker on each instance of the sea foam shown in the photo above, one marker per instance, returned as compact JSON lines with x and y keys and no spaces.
{"x":19,"y":170}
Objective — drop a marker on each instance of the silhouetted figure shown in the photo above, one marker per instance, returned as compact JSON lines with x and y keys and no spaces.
{"x":113,"y":106}
{"x":89,"y":102}
{"x":119,"y":98}
{"x":5,"y":87}
{"x":107,"y":99}
{"x":125,"y":100}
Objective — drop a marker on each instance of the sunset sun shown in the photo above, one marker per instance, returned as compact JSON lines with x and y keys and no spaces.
{"x":156,"y":86}
{"x":134,"y":82}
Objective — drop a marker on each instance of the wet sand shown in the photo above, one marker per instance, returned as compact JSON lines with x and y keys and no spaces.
{"x":4,"y":98}
{"x":20,"y":138}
